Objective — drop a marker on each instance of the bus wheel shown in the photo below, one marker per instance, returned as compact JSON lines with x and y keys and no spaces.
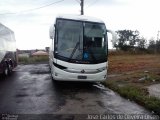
{"x":6,"y":71}
{"x":9,"y":69}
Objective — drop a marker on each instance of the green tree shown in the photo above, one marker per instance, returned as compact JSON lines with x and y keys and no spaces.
{"x":158,"y":46}
{"x":134,"y":37}
{"x":142,"y":43}
{"x":126,"y":39}
{"x":152,"y":45}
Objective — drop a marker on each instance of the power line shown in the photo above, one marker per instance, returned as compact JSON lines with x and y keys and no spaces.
{"x":6,"y":13}
{"x":77,"y":1}
{"x":34,"y":8}
{"x":43,"y":6}
{"x":92,"y":4}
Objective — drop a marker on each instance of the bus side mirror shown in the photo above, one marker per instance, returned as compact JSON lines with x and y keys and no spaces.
{"x":51,"y":31}
{"x":114,"y":36}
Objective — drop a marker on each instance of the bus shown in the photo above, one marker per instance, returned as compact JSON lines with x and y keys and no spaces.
{"x":8,"y":57}
{"x":79,"y":49}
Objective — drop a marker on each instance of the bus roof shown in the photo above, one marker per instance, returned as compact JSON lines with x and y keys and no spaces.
{"x":80,"y":18}
{"x":4,"y":30}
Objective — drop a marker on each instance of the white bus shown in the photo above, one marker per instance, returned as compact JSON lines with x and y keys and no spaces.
{"x":79,"y":49}
{"x":8,"y":55}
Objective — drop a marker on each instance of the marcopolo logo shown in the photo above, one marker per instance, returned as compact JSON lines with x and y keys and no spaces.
{"x":83,"y":71}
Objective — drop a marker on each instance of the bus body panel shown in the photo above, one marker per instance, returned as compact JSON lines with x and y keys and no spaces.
{"x":61,"y":75}
{"x":79,"y":72}
{"x":8,"y":55}
{"x":81,"y":66}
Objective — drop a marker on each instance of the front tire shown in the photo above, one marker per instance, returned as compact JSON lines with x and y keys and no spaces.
{"x":6,"y":71}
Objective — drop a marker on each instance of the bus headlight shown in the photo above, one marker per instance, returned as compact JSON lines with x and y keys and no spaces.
{"x":102,"y":69}
{"x":56,"y":74}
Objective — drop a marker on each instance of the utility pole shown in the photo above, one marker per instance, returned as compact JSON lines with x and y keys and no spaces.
{"x":82,"y":7}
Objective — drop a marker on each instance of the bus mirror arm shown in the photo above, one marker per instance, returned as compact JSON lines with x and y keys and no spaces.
{"x":51,"y":31}
{"x":114,"y":37}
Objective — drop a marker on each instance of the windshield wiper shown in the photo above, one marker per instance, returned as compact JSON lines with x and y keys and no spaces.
{"x":74,"y":50}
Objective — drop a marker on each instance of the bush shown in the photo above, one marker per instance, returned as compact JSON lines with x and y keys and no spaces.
{"x":27,"y":60}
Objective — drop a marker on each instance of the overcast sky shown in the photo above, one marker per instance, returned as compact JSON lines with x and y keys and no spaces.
{"x":31,"y":19}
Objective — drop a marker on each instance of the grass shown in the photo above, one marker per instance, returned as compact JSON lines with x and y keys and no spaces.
{"x":30,"y":60}
{"x":130,"y":76}
{"x":138,"y":94}
{"x":126,"y":63}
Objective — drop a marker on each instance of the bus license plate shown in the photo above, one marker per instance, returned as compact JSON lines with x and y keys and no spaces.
{"x":82,"y":77}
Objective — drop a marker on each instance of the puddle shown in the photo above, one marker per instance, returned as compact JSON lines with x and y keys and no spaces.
{"x":154,"y":90}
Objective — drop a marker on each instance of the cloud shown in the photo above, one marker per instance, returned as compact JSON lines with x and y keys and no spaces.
{"x":117,"y":14}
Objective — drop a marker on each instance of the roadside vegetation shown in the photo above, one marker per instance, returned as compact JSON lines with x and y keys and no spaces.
{"x":131,"y":74}
{"x":131,"y":41}
{"x":32,"y":60}
{"x":134,"y":65}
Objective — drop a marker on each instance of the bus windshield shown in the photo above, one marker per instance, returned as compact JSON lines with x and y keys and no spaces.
{"x":81,"y":42}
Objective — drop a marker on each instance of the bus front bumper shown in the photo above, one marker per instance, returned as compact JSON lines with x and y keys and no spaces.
{"x":62,"y":75}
